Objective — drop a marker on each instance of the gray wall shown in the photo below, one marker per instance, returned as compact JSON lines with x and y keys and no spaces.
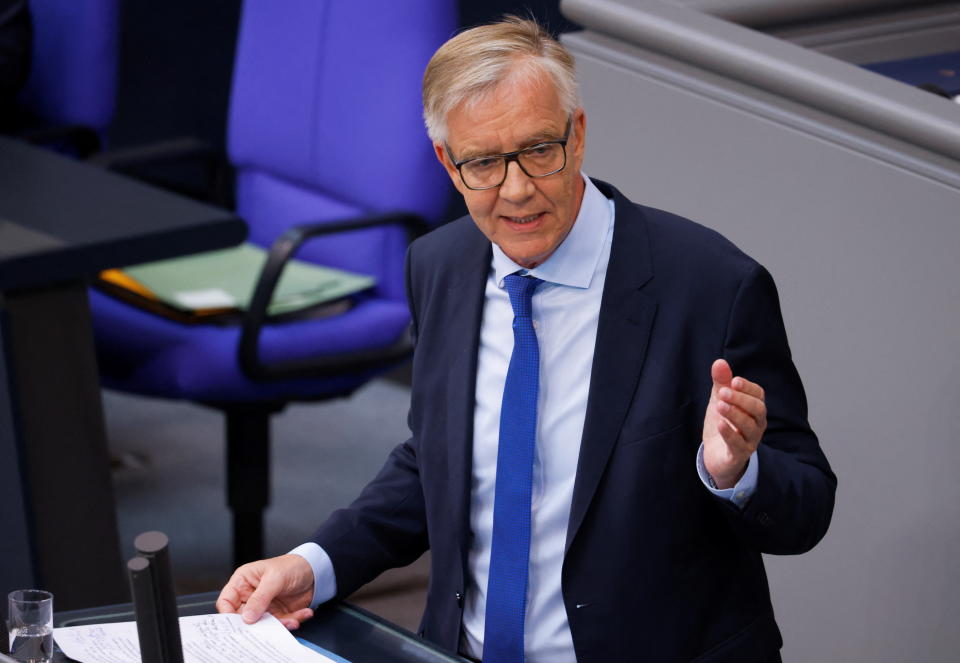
{"x":861,"y":232}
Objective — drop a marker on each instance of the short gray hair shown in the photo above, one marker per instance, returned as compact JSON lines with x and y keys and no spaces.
{"x":474,"y":62}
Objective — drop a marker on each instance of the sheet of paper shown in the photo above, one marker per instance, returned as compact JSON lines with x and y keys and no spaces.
{"x":205,"y":298}
{"x":205,"y":638}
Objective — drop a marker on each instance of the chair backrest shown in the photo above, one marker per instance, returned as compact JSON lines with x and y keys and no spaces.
{"x":73,"y":76}
{"x":326,"y":122}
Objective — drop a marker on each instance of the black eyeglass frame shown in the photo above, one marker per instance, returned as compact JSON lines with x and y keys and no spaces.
{"x":514,"y":156}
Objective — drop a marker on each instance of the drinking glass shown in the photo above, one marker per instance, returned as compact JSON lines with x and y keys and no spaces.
{"x":30,"y":624}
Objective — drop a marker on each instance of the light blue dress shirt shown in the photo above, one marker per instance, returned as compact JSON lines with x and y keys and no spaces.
{"x":566,"y":309}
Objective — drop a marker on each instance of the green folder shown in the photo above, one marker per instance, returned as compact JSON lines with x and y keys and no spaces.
{"x":225,"y":280}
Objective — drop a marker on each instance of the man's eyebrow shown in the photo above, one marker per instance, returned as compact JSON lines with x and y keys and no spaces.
{"x":474,"y":153}
{"x":539,"y":137}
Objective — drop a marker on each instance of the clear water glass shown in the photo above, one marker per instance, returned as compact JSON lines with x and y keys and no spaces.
{"x":30,"y":625}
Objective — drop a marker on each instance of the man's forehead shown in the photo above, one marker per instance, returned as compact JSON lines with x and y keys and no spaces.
{"x":479,"y":144}
{"x":517,"y":113}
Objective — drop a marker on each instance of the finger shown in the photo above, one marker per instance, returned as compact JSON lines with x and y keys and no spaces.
{"x":226,"y":605}
{"x":270,"y":585}
{"x":755,"y":407}
{"x":743,"y":421}
{"x":230,"y":599}
{"x":744,"y":385}
{"x":302,"y":615}
{"x":294,"y":620}
{"x":721,"y":373}
{"x":752,"y":406}
{"x":732,"y":437}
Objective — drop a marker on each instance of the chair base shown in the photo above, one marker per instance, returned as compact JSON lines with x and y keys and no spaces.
{"x":248,"y":475}
{"x":247,"y":537}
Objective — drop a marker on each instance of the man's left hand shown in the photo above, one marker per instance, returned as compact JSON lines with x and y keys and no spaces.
{"x":733,"y":425}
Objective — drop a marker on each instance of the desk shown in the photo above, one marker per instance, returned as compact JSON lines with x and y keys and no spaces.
{"x":350,"y":632}
{"x":61,"y":222}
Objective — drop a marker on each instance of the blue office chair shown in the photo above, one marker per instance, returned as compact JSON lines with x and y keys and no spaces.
{"x":326,"y":137}
{"x":69,"y":97}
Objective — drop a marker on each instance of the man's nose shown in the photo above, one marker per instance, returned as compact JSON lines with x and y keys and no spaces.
{"x":517,"y":186}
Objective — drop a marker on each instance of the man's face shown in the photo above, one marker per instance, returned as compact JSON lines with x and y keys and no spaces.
{"x":526,"y":217}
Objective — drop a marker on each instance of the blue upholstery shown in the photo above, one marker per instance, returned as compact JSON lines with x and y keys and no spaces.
{"x":326,"y":94}
{"x":325,"y":125}
{"x":146,"y":354}
{"x":74,"y":63}
{"x":271,"y":204}
{"x":325,"y":122}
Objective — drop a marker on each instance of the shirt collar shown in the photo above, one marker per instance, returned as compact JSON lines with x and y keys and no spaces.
{"x":575,"y":260}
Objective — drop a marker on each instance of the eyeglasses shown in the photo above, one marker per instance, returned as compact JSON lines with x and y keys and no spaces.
{"x":489,"y":172}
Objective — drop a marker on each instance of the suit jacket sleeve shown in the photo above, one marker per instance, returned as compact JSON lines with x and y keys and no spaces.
{"x":385,"y":527}
{"x":793,"y":503}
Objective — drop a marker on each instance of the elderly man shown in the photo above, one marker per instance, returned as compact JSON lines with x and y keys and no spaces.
{"x":607,"y":428}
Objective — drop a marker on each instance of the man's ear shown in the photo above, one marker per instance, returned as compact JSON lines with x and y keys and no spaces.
{"x":580,"y":129}
{"x":441,"y":151}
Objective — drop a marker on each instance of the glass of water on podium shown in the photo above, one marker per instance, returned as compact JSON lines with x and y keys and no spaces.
{"x":30,"y":625}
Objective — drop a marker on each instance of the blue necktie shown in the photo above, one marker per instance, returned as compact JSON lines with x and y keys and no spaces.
{"x":510,"y":550}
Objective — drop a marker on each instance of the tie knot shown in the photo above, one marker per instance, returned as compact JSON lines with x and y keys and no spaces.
{"x":520,"y":288}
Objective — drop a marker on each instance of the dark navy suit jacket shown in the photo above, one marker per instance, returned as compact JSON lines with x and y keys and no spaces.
{"x":656,"y":568}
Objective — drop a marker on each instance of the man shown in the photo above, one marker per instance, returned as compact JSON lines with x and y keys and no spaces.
{"x":593,"y":480}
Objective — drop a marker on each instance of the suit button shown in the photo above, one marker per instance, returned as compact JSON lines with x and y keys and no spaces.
{"x":459,"y":598}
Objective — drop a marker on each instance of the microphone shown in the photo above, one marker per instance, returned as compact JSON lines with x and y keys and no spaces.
{"x":145,"y":607}
{"x":154,"y":600}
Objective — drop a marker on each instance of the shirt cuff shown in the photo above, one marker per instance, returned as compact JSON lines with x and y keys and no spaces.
{"x":741,"y":493}
{"x":324,"y":580}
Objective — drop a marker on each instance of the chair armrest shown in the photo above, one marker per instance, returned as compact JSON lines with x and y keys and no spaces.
{"x":280,"y":253}
{"x":83,"y":139}
{"x":136,"y":160}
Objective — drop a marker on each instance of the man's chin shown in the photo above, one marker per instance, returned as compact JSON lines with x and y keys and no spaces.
{"x":527,"y":258}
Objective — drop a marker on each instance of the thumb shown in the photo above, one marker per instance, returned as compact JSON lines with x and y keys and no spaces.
{"x":721,"y":373}
{"x":270,"y":585}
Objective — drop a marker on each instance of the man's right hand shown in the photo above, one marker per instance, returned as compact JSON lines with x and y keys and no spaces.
{"x":282,"y":586}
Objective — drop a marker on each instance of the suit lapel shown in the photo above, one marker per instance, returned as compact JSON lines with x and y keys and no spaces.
{"x":626,"y":318}
{"x":465,"y":298}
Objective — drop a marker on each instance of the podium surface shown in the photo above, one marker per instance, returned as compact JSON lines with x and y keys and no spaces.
{"x":347,"y":631}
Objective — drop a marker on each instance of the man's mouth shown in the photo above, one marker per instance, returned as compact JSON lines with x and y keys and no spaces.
{"x":524,"y":219}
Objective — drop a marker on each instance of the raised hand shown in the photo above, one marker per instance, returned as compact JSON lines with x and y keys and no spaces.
{"x":733,"y":425}
{"x":282,"y":586}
